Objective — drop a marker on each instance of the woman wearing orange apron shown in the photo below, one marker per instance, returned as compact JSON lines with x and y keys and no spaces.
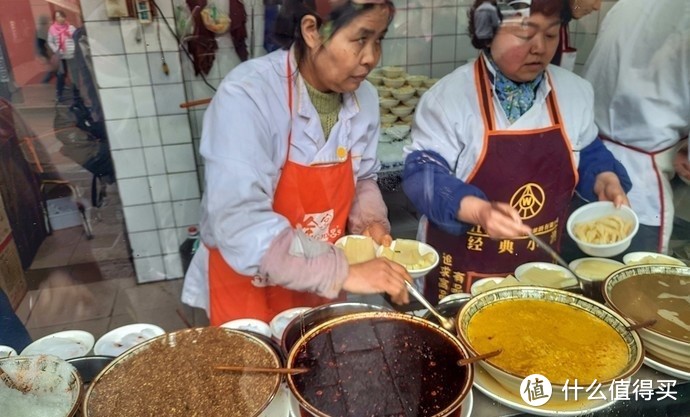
{"x":497,"y":152}
{"x":289,"y":145}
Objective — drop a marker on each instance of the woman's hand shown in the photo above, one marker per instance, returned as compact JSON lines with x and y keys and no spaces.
{"x":607,"y":187}
{"x":378,"y":276}
{"x":379,"y":233}
{"x":681,"y":163}
{"x":499,"y":220}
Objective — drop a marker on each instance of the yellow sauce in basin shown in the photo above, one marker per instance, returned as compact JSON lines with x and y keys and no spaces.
{"x":556,"y":340}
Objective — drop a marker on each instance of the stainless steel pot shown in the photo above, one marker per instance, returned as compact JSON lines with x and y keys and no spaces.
{"x":90,"y":366}
{"x":374,"y":363}
{"x":192,"y":351}
{"x":311,"y":318}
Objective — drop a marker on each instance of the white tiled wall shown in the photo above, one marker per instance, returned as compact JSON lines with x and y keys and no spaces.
{"x":149,"y":134}
{"x":155,"y":142}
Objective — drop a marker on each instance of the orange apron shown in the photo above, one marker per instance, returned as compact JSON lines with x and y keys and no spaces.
{"x":315,"y":198}
{"x":534,"y":171}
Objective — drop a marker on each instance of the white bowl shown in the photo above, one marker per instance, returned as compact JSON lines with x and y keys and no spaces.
{"x":428,"y":83}
{"x":407,"y":119}
{"x":561,"y":277}
{"x":423,"y":250}
{"x":594,"y":276}
{"x":402,"y":111}
{"x":648,"y":258}
{"x":412,"y":101}
{"x":121,"y":339}
{"x":592,"y":280}
{"x":65,"y":345}
{"x":375,"y":78}
{"x":597,"y":210}
{"x":384,"y":91}
{"x":403,"y":93}
{"x":485,"y":284}
{"x":393,"y":72}
{"x":642,"y":300}
{"x":388,"y":102}
{"x":416,"y":80}
{"x":422,"y":90}
{"x":393,"y":82}
{"x":282,"y":319}
{"x":398,"y":131}
{"x":388,"y":119}
{"x":249,"y":325}
{"x":7,"y":351}
{"x":383,"y":110}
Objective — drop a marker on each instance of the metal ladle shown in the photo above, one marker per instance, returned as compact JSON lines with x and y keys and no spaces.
{"x":446,"y":323}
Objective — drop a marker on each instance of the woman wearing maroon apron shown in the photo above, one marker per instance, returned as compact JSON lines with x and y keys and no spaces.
{"x":289,"y":145}
{"x":499,"y":147}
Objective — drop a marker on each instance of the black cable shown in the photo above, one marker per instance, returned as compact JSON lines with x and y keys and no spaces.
{"x":179,"y":42}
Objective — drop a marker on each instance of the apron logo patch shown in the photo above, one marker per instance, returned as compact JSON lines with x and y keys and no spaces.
{"x":528,"y":200}
{"x":318,"y":225}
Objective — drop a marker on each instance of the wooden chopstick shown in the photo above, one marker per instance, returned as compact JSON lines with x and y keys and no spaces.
{"x":473,"y":359}
{"x":646,"y":323}
{"x":288,"y":371}
{"x":192,"y":103}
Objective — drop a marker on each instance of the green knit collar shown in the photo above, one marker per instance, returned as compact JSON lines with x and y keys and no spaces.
{"x":324,"y":102}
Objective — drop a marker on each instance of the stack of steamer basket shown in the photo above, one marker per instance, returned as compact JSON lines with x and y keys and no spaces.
{"x":399,"y":94}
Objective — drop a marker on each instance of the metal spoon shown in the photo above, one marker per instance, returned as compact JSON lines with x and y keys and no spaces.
{"x":446,"y":323}
{"x":551,"y":251}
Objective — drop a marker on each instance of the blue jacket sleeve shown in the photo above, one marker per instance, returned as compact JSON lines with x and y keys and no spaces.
{"x":595,"y":159}
{"x":430,"y":184}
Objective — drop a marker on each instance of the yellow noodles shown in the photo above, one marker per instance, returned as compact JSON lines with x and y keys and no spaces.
{"x":607,"y":229}
{"x":407,"y":254}
{"x":358,"y":250}
{"x":596,"y":270}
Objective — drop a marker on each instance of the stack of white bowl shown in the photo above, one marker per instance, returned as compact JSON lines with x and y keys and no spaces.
{"x":399,"y":93}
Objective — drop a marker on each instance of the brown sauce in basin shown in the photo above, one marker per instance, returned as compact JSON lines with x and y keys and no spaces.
{"x":664,"y":297}
{"x":380,"y":367}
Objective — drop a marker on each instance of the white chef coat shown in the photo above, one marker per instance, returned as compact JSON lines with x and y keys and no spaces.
{"x":640,"y":70}
{"x":244,"y":143}
{"x":449,"y":120}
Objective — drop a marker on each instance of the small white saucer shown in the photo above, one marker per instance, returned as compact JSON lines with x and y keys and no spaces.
{"x":117,"y":341}
{"x":65,"y":345}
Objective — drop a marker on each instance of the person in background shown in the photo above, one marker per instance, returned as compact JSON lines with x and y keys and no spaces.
{"x":498,"y":148}
{"x":42,"y":46}
{"x":640,"y":70}
{"x":62,"y":44}
{"x":289,"y":144}
{"x":566,"y":54}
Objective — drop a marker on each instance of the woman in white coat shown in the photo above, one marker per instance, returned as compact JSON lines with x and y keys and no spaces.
{"x":498,"y":148}
{"x":289,"y":144}
{"x":640,"y":70}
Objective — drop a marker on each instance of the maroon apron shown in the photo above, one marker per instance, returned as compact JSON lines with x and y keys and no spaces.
{"x":533,"y":171}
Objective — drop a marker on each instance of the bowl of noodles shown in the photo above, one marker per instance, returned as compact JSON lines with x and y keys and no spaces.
{"x":602,"y":230}
{"x":560,"y":335}
{"x":417,"y":257}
